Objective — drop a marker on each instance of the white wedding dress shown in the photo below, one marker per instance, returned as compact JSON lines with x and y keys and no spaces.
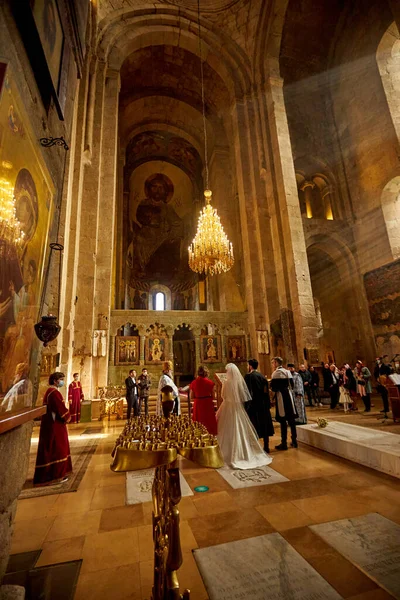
{"x":237,"y":437}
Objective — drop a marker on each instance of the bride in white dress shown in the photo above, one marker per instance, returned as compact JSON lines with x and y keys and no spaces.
{"x":237,"y":437}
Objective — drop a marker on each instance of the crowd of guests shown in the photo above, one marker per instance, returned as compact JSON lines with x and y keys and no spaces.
{"x":243,"y":417}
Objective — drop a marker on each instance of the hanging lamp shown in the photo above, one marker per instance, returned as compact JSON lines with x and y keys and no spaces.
{"x":210,"y":253}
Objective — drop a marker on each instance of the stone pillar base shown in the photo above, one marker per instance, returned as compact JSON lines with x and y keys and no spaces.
{"x":12,"y":592}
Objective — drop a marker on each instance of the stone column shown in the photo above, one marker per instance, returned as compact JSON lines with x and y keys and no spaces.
{"x":142,"y":348}
{"x":112,"y":350}
{"x":196,"y":334}
{"x":85,"y":320}
{"x":223,"y":346}
{"x":104,"y":271}
{"x":225,"y":201}
{"x":294,"y":284}
{"x":253,"y":217}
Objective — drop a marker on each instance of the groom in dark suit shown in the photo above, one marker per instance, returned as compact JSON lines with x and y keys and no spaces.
{"x":259,"y":408}
{"x":132,"y":394}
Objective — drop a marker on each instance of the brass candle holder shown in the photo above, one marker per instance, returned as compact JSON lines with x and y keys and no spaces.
{"x":156,"y":442}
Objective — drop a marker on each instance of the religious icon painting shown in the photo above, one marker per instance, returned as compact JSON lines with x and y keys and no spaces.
{"x":262,"y":342}
{"x":236,"y":348}
{"x":127,"y":350}
{"x":210,"y":348}
{"x":156,"y":349}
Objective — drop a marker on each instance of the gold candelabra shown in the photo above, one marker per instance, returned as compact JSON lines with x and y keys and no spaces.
{"x":156,"y":442}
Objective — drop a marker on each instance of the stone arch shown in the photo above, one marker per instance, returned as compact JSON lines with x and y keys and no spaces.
{"x":388,"y":60}
{"x":128,"y":30}
{"x":390,"y":199}
{"x":337,"y":287}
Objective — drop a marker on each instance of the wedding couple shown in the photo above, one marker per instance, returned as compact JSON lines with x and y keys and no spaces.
{"x":237,"y":436}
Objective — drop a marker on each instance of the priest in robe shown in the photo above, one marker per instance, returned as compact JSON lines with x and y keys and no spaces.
{"x":75,"y":397}
{"x":53,"y":461}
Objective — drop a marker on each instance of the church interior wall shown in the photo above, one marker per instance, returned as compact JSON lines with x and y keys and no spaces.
{"x":338,"y":116}
{"x":29,"y":120}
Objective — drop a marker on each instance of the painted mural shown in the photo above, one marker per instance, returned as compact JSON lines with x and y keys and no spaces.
{"x":160,"y":228}
{"x":383,"y":293}
{"x":23,"y":172}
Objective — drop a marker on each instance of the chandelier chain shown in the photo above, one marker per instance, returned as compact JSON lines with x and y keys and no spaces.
{"x":203,"y":101}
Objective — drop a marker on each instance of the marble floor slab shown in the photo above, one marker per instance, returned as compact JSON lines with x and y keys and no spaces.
{"x":139,"y":484}
{"x":371,"y":542}
{"x":375,"y":449}
{"x":261,"y":568}
{"x":239,"y":478}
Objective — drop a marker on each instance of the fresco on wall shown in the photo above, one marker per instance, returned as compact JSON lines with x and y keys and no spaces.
{"x":160,"y":144}
{"x":383,"y":293}
{"x":21,"y":268}
{"x":160,"y":228}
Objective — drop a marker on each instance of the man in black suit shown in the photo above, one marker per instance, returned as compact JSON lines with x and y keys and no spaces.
{"x":132,"y":394}
{"x":259,"y":408}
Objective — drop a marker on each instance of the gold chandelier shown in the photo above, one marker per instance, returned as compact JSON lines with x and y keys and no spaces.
{"x":210,"y":252}
{"x":10,"y":227}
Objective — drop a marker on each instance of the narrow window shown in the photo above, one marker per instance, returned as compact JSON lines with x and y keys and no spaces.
{"x":159,"y":301}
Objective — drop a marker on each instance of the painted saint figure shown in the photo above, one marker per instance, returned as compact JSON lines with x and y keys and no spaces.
{"x":155,"y":221}
{"x":211,"y":350}
{"x":75,"y":397}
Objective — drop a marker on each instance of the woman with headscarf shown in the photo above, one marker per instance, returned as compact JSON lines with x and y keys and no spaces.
{"x":237,"y":437}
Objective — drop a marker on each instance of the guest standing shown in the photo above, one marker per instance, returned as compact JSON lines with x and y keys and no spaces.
{"x":307,"y":381}
{"x":298,"y":391}
{"x":315,"y":386}
{"x":382,"y":372}
{"x":132,"y":394}
{"x":144,"y":385}
{"x":75,"y":397}
{"x":351,"y":385}
{"x":166,"y":379}
{"x":286,"y":414}
{"x":364,"y":388}
{"x":259,"y":408}
{"x":201,"y":392}
{"x":53,"y":461}
{"x":334,"y":386}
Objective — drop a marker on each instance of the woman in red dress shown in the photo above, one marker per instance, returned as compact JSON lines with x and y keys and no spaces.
{"x":201,"y":391}
{"x":53,"y":461}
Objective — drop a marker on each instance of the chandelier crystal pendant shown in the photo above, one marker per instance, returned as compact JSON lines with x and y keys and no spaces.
{"x":10,"y":227}
{"x":210,"y":253}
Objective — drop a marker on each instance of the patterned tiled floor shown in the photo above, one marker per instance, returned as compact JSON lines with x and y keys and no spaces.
{"x":115,"y":542}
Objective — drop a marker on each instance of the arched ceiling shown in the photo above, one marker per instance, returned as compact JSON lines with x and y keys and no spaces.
{"x":171,"y":71}
{"x":207,"y":6}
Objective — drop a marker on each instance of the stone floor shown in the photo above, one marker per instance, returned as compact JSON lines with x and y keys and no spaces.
{"x":115,"y":540}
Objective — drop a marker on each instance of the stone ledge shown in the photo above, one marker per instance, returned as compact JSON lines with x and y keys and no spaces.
{"x":11,"y":420}
{"x":371,"y":448}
